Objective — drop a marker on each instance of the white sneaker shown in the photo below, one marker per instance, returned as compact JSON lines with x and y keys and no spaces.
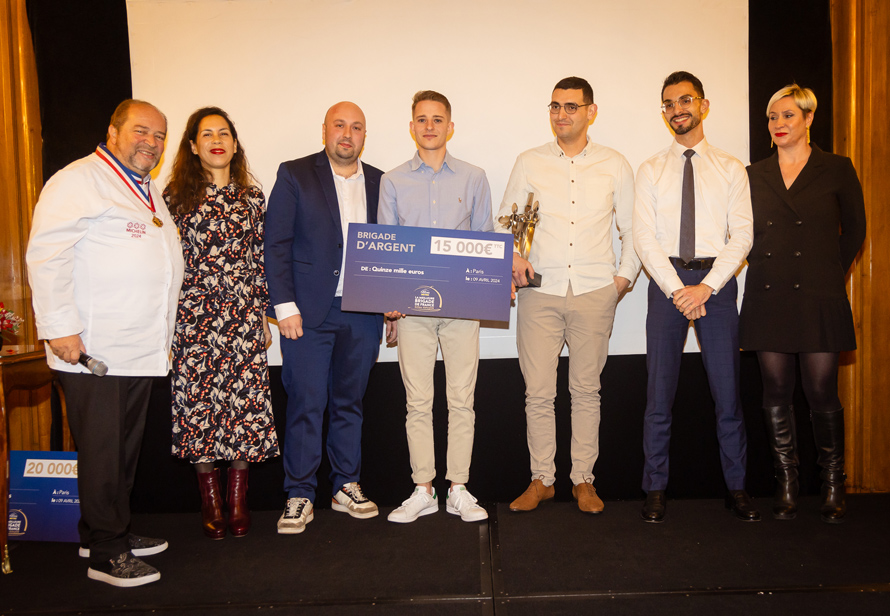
{"x":350,"y":499}
{"x":297,"y":514}
{"x":418,"y":504}
{"x":461,"y":502}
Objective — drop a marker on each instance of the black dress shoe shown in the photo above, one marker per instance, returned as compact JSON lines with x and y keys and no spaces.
{"x":742,"y":506}
{"x":653,"y":509}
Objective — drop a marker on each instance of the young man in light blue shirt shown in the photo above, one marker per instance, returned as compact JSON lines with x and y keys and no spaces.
{"x":436,"y":190}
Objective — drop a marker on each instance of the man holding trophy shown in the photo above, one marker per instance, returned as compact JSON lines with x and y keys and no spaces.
{"x":565,"y":268}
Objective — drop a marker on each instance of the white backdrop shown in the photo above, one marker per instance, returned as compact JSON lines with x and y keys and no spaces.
{"x":277,"y":65}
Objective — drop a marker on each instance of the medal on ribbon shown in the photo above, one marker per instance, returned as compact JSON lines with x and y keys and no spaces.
{"x":147,"y":202}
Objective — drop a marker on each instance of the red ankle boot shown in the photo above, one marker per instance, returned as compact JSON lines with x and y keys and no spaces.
{"x":239,"y":514}
{"x":211,"y":505}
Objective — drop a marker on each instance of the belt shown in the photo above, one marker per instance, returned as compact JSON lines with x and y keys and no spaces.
{"x":696,"y":264}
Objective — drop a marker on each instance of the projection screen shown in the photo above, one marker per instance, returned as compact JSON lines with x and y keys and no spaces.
{"x":277,"y":65}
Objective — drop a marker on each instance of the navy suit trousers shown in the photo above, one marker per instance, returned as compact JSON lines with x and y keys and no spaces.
{"x":327,"y":368}
{"x":718,"y":333}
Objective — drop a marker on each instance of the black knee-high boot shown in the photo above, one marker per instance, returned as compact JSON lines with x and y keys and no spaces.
{"x":828,"y":428}
{"x":782,"y":432}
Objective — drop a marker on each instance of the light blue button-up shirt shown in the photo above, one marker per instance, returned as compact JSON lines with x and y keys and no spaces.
{"x":456,"y":197}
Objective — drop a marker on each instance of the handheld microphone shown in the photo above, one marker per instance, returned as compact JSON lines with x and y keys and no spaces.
{"x":93,"y":365}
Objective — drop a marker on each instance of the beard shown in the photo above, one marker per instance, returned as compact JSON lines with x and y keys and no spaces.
{"x":682,"y":130}
{"x":136,"y":163}
{"x":346,"y":156}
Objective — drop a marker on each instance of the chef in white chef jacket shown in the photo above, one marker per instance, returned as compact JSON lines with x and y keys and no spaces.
{"x":105,"y":267}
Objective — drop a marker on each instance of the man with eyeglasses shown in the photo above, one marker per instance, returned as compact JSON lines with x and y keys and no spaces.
{"x":579,"y":185}
{"x":693,"y":228}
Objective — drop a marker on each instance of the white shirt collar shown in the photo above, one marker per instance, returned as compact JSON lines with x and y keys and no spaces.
{"x":359,"y":172}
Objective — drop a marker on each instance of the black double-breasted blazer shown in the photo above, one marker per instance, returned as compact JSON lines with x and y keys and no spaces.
{"x":806,"y":237}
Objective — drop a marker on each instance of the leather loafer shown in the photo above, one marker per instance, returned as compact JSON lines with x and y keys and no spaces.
{"x":534,"y":494}
{"x":653,"y":509}
{"x":588,"y":501}
{"x":742,"y":506}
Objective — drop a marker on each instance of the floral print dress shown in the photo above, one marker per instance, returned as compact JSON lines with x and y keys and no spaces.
{"x":221,"y":404}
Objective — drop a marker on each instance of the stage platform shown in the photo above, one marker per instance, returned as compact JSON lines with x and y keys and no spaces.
{"x":553,"y":561}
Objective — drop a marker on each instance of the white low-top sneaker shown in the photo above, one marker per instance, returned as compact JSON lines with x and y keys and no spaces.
{"x":350,"y":499}
{"x":297,"y":514}
{"x":461,"y":502}
{"x":418,"y":504}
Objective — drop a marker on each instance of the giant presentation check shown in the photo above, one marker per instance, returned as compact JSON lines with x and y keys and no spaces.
{"x":432,"y":272}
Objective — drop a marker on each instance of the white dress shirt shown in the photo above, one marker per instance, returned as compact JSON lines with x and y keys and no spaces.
{"x":99,"y":268}
{"x":723,"y":219}
{"x":578,"y":196}
{"x":353,"y":205}
{"x":353,"y":208}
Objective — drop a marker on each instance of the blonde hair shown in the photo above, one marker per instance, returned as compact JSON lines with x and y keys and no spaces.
{"x":803,"y":98}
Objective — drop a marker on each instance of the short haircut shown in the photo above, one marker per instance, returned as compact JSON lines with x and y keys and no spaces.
{"x":681,"y":76}
{"x":576,"y":83}
{"x":430,"y":95}
{"x":803,"y":98}
{"x":119,"y":117}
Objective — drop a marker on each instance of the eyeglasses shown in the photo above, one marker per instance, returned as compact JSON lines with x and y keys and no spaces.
{"x":683,"y":101}
{"x":569,"y":107}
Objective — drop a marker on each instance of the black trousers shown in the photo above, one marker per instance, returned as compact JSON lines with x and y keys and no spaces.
{"x":107,"y":419}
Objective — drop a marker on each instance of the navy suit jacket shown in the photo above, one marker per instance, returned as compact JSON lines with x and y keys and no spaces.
{"x":304,"y":240}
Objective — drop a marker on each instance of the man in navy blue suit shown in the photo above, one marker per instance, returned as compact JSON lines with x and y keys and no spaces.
{"x":327,"y":353}
{"x":692,"y":229}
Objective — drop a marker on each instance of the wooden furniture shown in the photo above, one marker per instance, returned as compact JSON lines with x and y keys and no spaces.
{"x":24,"y":369}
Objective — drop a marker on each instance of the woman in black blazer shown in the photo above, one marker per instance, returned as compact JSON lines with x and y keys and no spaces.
{"x":809,"y":223}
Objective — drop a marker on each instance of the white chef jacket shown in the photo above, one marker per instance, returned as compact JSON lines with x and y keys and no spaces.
{"x":99,"y":267}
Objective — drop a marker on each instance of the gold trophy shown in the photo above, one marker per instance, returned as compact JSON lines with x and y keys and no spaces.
{"x":523,"y":228}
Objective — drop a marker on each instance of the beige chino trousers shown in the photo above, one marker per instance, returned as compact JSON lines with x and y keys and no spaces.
{"x":544,"y":324}
{"x":419,"y":339}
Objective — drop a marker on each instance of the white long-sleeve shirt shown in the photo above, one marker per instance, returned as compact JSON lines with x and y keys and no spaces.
{"x":578,"y":196}
{"x":723,"y":220}
{"x":99,"y":268}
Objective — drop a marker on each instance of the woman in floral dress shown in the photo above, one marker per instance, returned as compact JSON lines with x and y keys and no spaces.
{"x":221,"y":404}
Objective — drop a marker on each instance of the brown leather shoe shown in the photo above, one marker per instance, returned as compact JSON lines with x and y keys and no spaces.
{"x":535,"y":493}
{"x":588,"y":501}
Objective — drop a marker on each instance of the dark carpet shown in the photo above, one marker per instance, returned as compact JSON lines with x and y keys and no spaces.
{"x":554,"y":560}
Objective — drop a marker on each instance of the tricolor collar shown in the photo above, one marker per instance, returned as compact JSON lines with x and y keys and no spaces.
{"x":138,"y":186}
{"x":134,"y":177}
